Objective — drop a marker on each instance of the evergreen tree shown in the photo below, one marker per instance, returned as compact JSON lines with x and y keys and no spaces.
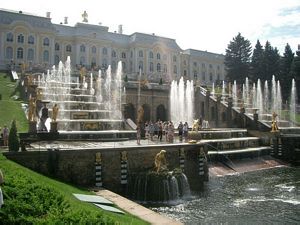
{"x":285,"y":75}
{"x":271,"y":62}
{"x":13,"y":139}
{"x":237,"y":59}
{"x":257,"y":62}
{"x":295,"y":70}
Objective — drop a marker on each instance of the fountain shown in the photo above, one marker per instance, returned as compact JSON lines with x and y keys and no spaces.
{"x":182,"y":101}
{"x":293,"y":101}
{"x":85,"y":106}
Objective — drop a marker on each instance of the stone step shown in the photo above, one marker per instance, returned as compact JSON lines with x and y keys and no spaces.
{"x":237,"y":151}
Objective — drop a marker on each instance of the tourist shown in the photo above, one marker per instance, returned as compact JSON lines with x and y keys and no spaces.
{"x":1,"y":182}
{"x":138,"y":134}
{"x":185,"y":131}
{"x":180,"y":130}
{"x":146,"y":130}
{"x":171,"y":132}
{"x":151,"y":130}
{"x":160,"y":130}
{"x":5,"y":133}
{"x":166,"y":130}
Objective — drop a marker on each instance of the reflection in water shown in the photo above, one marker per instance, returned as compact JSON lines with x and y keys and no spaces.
{"x":261,"y":197}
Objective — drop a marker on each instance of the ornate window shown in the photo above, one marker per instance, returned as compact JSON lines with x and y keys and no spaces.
{"x":174,"y":58}
{"x":104,"y":51}
{"x":151,"y":67}
{"x":31,"y":40}
{"x":203,"y":75}
{"x":82,"y":48}
{"x":151,"y":55}
{"x":123,"y":66}
{"x":210,"y":77}
{"x":140,"y":53}
{"x":130,"y":66}
{"x":123,"y":55}
{"x":20,"y":38}
{"x":46,"y":42}
{"x":104,"y":63}
{"x":56,"y":59}
{"x":46,"y":56}
{"x":9,"y":53}
{"x":158,"y":67}
{"x":56,"y":47}
{"x":68,"y":48}
{"x":184,"y":73}
{"x":195,"y":75}
{"x":158,"y":56}
{"x":9,"y":37}
{"x":30,"y":54}
{"x":141,"y":67}
{"x":94,"y":50}
{"x":113,"y":54}
{"x":20,"y":53}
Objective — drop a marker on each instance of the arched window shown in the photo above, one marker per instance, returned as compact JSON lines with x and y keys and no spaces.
{"x":93,"y":64}
{"x":140,"y":53}
{"x":9,"y":37}
{"x":184,"y":62}
{"x":123,"y":66}
{"x":130,"y":66}
{"x":31,"y":40}
{"x":104,"y":63}
{"x":175,"y":69}
{"x":210,"y":77}
{"x":94,"y":50}
{"x":30,"y":54}
{"x":151,"y":55}
{"x":46,"y":56}
{"x":123,"y":55}
{"x":174,"y":58}
{"x":20,"y":38}
{"x":151,"y":67}
{"x":141,"y":67}
{"x":165,"y":68}
{"x":56,"y":47}
{"x":158,"y":56}
{"x":68,"y":48}
{"x":113,"y":54}
{"x":56,"y":59}
{"x":195,"y":75}
{"x":9,"y":53}
{"x":158,"y":67}
{"x":20,"y":53}
{"x":203,"y":75}
{"x":184,"y":73}
{"x":82,"y":60}
{"x":82,"y":48}
{"x":46,"y":42}
{"x":104,"y":51}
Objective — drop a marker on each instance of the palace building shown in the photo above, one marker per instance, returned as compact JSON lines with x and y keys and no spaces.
{"x":39,"y":43}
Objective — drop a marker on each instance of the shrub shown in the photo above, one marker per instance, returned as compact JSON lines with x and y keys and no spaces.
{"x":13,"y":139}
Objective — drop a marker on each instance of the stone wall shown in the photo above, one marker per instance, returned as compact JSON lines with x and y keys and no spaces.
{"x":78,"y":166}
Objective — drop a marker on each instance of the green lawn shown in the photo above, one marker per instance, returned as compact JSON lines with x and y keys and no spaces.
{"x":31,"y":198}
{"x":10,"y":108}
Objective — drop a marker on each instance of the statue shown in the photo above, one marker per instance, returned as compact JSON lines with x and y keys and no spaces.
{"x":274,"y":126}
{"x":84,"y":17}
{"x":140,"y":114}
{"x":98,"y":158}
{"x":160,"y":161}
{"x":54,"y":112}
{"x":195,"y":125}
{"x":44,"y":117}
{"x":32,"y":110}
{"x":39,"y":94}
{"x":124,"y":156}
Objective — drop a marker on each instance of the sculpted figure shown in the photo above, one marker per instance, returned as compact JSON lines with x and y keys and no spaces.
{"x":54,"y":112}
{"x":32,"y":109}
{"x":274,"y":126}
{"x":160,"y":161}
{"x":140,"y":114}
{"x":84,"y":17}
{"x":195,"y":125}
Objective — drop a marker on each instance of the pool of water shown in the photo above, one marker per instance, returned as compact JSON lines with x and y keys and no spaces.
{"x":269,"y":196}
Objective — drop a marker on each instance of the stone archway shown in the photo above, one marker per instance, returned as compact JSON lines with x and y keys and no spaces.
{"x":161,"y":113}
{"x":147,"y":112}
{"x":129,"y":112}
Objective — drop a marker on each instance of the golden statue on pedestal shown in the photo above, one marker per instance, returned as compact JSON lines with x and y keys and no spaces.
{"x":140,"y":114}
{"x":54,"y":112}
{"x":274,"y":126}
{"x":98,"y":158}
{"x":160,"y":161}
{"x":32,"y":109}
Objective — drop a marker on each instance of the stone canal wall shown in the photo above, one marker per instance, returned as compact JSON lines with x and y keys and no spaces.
{"x":78,"y":166}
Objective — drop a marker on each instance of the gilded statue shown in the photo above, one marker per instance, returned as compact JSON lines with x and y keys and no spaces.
{"x":195,"y":125}
{"x":98,"y":158}
{"x":140,"y":114}
{"x":32,"y":109}
{"x":124,"y":156}
{"x":54,"y":112}
{"x":274,"y":126}
{"x":160,"y":161}
{"x":39,"y":94}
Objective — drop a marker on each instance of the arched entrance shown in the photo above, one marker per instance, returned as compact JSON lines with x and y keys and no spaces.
{"x":147,"y":112}
{"x":161,"y":113}
{"x":129,"y":112}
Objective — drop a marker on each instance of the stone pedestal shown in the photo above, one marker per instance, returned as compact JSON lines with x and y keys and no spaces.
{"x":53,"y":127}
{"x":32,"y":127}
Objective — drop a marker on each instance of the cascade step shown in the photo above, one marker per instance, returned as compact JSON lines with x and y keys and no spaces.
{"x":236,"y":151}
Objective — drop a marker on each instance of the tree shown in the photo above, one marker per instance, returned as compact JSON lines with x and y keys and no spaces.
{"x":271,"y":62}
{"x":295,"y":70}
{"x":257,"y":62}
{"x":237,"y":59}
{"x":285,"y":75}
{"x":13,"y":139}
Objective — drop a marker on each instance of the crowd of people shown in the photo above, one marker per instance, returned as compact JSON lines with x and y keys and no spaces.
{"x":162,"y":131}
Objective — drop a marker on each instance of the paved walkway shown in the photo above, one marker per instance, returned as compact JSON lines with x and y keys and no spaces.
{"x":136,"y":209}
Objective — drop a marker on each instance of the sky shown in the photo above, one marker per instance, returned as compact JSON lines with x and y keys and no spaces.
{"x":207,"y":25}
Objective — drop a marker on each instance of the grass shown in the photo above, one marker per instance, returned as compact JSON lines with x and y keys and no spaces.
{"x":32,"y":199}
{"x":10,"y":105}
